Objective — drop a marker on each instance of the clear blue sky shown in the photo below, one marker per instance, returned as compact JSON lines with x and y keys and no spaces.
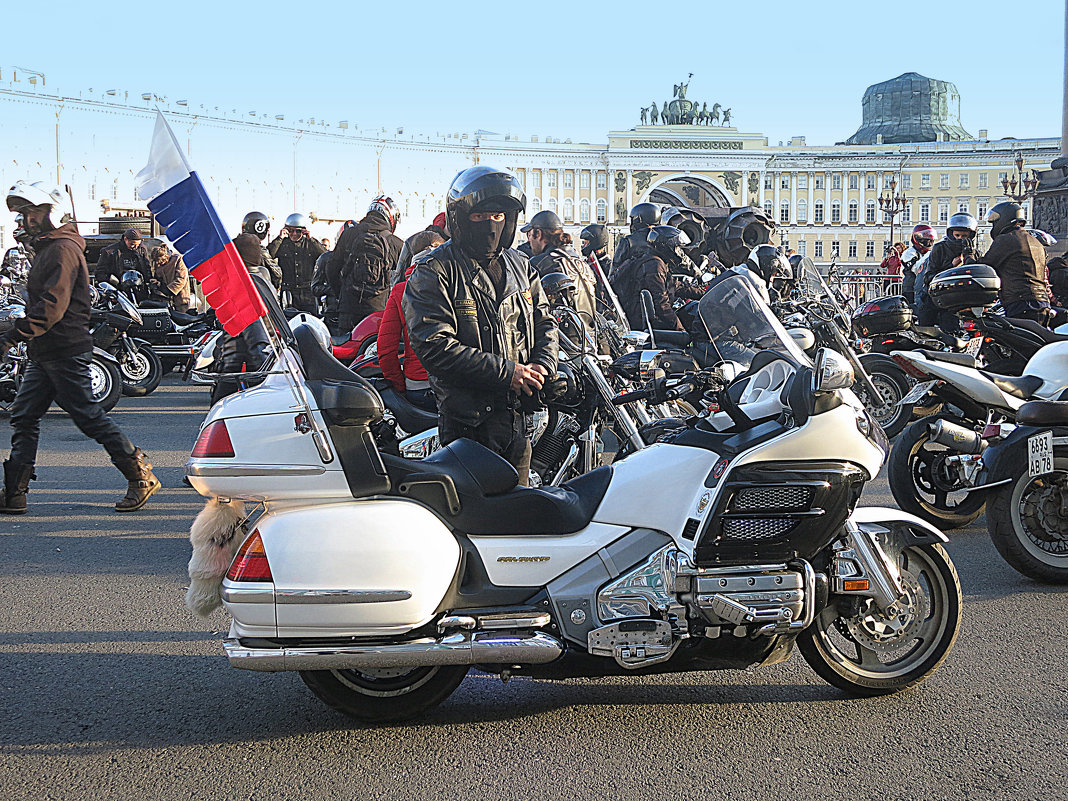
{"x":785,"y":68}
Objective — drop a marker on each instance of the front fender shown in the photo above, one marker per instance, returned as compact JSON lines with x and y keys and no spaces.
{"x":914,"y":530}
{"x":104,"y":356}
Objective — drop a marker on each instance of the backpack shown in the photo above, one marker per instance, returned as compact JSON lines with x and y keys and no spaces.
{"x":367,"y":266}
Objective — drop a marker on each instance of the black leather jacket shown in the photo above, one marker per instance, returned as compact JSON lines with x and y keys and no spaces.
{"x":630,"y":247}
{"x":1020,"y":262}
{"x":468,"y":340}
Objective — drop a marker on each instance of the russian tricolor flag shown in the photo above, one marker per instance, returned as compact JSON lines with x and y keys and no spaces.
{"x":178,"y":199}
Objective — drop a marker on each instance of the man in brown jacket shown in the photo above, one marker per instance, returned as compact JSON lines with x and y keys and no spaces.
{"x":56,"y":326}
{"x":171,"y":276}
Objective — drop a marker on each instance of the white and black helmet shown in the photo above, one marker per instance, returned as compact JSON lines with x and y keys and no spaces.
{"x":24,"y":194}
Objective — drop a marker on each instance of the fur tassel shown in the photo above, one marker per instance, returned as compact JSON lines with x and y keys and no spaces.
{"x":215,"y":540}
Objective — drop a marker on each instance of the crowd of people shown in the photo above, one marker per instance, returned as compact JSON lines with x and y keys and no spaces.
{"x":467,"y":309}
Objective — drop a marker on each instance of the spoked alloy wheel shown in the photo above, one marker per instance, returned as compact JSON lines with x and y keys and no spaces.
{"x":867,"y":652}
{"x":924,"y":482}
{"x":141,"y":371}
{"x":893,"y":385}
{"x":1028,"y":523}
{"x":105,"y":383}
{"x":384,"y":695}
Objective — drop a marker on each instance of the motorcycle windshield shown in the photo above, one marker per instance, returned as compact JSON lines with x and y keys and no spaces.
{"x":813,"y":287}
{"x":740,"y":324}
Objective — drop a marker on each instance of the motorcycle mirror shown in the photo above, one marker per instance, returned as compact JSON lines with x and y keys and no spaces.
{"x":833,"y":371}
{"x":804,"y":338}
{"x":728,"y":371}
{"x":706,"y":277}
{"x":635,"y":338}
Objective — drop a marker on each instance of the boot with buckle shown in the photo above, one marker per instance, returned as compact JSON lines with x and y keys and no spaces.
{"x":142,"y":481}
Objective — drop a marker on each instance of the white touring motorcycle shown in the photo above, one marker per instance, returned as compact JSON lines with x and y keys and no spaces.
{"x":383,"y":580}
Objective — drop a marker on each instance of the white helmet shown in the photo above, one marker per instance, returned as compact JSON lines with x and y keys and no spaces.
{"x":24,"y":194}
{"x":317,"y":326}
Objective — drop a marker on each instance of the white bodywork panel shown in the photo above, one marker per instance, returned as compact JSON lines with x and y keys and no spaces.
{"x":533,"y":561}
{"x":379,"y":545}
{"x":1050,"y":364}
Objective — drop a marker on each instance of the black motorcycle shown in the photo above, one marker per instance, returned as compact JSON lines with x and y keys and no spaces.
{"x":110,"y":321}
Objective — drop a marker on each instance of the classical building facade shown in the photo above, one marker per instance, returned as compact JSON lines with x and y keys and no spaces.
{"x":823,"y":197}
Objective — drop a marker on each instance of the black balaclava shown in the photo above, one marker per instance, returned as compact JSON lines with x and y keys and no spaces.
{"x":482,"y":240}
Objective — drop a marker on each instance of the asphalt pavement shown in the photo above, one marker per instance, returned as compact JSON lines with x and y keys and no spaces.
{"x":110,"y":689}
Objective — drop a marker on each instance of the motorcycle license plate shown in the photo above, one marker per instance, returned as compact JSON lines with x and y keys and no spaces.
{"x":973,"y":346}
{"x":917,"y":392}
{"x":1040,"y":454}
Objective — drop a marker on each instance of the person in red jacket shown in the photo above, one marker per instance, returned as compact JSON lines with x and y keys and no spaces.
{"x":410,"y":379}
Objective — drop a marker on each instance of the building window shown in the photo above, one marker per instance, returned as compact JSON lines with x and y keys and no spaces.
{"x":943,"y":212}
{"x":784,"y":181}
{"x":802,"y":248}
{"x":964,"y":180}
{"x":980,"y":210}
{"x":584,"y":210}
{"x":836,"y":181}
{"x":535,"y":206}
{"x":802,"y":180}
{"x":584,"y":180}
{"x":983,"y":180}
{"x":569,"y":180}
{"x":925,"y":212}
{"x":569,"y":210}
{"x":522,"y":176}
{"x":962,"y":207}
{"x":870,"y":181}
{"x":768,"y":181}
{"x":1002,"y":176}
{"x":906,"y":215}
{"x":869,"y":211}
{"x":602,"y":181}
{"x":854,"y":211}
{"x":550,"y":180}
{"x":906,"y":182}
{"x":769,"y":209}
{"x":925,"y":180}
{"x":817,"y":211}
{"x":836,"y":211}
{"x":869,"y":249}
{"x":887,"y":177}
{"x":784,"y":211}
{"x":552,"y":205}
{"x":817,"y":249}
{"x":602,"y":210}
{"x":535,"y":180}
{"x":943,"y":180}
{"x":817,"y":182}
{"x":802,"y":211}
{"x":852,"y":248}
{"x":854,"y":181}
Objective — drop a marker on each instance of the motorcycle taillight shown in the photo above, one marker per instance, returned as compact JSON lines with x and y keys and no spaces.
{"x":214,"y":442}
{"x":250,"y":564}
{"x":909,"y":367}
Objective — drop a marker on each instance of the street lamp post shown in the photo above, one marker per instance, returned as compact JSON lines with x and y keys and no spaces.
{"x":891,"y":204}
{"x":1028,"y":184}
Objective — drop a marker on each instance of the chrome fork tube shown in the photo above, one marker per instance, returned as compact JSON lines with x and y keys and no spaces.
{"x":885,"y":578}
{"x":622,"y":416}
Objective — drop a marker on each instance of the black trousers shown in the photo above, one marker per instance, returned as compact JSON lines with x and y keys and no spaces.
{"x":351,"y":312}
{"x":504,"y":432}
{"x":65,"y":381}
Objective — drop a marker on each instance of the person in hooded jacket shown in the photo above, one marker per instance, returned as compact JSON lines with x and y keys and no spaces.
{"x":363,"y":261}
{"x":1020,"y":262}
{"x":553,"y":254}
{"x":478,"y":320}
{"x":404,"y":261}
{"x":642,"y":217}
{"x":410,"y":378}
{"x":652,"y":271}
{"x":60,"y":351}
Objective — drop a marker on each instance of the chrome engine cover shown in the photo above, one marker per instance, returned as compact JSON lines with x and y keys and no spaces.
{"x":773,"y":597}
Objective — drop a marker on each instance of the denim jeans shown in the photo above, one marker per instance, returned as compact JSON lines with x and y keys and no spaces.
{"x":65,"y":381}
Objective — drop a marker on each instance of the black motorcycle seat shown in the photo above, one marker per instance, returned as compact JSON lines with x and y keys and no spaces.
{"x":1023,"y":386}
{"x":409,"y":417}
{"x":963,"y":359}
{"x":1038,"y":330}
{"x":487,"y":494}
{"x":189,"y":319}
{"x":678,"y":339}
{"x":927,"y":330}
{"x":1043,"y":413}
{"x":344,"y":397}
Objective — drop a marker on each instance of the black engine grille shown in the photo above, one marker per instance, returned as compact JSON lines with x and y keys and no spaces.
{"x":779,"y":499}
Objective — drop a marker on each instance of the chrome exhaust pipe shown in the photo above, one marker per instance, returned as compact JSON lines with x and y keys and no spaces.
{"x":466,"y":648}
{"x":957,"y":437}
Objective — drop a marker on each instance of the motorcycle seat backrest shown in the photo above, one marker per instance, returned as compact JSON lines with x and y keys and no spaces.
{"x":1043,"y":413}
{"x":1040,"y":331}
{"x":678,"y":339}
{"x":927,"y":330}
{"x":963,"y":359}
{"x":188,"y":319}
{"x":1023,"y":386}
{"x":409,"y":417}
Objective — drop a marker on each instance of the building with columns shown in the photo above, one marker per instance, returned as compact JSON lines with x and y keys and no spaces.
{"x":823,"y":197}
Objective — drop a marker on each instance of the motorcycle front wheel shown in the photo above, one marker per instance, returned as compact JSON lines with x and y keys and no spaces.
{"x":105,"y":382}
{"x":861,"y":650}
{"x":1028,"y":524}
{"x":921,"y":481}
{"x":141,"y":371}
{"x":384,"y":695}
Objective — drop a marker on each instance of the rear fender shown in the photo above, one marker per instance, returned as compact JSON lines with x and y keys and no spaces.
{"x":1006,"y":460}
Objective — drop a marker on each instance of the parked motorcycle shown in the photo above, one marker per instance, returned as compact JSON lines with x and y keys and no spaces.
{"x":935,"y":462}
{"x":1024,"y":480}
{"x":110,"y":319}
{"x":721,"y":548}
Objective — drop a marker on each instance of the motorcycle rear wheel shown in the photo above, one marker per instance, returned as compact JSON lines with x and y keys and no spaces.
{"x":865,"y":654}
{"x":384,"y":696}
{"x":105,"y":382}
{"x":893,"y":385}
{"x":917,"y":483}
{"x":1025,"y":524}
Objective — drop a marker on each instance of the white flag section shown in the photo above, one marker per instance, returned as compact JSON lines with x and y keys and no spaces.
{"x":166,"y":166}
